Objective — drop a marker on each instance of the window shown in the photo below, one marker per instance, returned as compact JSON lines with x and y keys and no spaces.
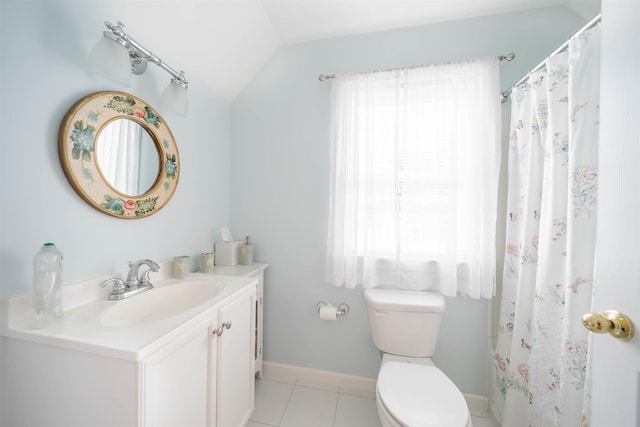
{"x":414,"y":177}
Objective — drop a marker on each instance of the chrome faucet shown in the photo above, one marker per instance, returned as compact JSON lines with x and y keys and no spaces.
{"x":133,"y":285}
{"x":133,"y":280}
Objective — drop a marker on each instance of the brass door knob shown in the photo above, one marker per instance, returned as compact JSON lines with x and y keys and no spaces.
{"x":615,"y":323}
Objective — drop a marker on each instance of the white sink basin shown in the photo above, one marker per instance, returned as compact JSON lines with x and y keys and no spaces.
{"x":159,"y":303}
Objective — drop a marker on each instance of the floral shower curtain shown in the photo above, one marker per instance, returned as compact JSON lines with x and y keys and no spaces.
{"x":541,"y":358}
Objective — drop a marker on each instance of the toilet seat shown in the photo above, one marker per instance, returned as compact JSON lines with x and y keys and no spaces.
{"x":418,"y":395}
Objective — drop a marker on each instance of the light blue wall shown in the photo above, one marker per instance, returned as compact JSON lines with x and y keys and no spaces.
{"x":280,"y":175}
{"x":44,"y":46}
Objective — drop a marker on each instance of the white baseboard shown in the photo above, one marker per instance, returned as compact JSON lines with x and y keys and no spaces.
{"x":478,"y":404}
{"x":292,"y":374}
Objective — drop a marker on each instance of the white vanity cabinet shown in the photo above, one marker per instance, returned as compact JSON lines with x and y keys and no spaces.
{"x":198,"y":372}
{"x":204,"y":378}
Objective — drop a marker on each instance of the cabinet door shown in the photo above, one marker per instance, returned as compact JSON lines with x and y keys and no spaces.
{"x":235,"y":364}
{"x":175,"y":383}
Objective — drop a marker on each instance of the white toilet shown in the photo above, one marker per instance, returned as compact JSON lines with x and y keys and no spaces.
{"x":411,"y":391}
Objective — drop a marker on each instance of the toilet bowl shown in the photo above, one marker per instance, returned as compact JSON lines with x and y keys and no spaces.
{"x":410,"y":390}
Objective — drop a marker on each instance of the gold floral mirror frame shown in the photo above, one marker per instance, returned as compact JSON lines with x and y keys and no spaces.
{"x":77,"y":137}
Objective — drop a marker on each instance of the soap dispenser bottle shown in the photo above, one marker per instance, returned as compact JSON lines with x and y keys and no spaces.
{"x":246,"y":252}
{"x":47,"y":284}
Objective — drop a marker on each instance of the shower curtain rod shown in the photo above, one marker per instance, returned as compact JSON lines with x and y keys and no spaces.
{"x":590,"y":24}
{"x":323,"y":77}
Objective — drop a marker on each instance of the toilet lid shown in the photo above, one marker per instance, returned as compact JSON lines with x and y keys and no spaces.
{"x":421,"y":396}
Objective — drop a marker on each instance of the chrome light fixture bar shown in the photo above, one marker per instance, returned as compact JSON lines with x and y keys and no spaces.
{"x":110,"y":59}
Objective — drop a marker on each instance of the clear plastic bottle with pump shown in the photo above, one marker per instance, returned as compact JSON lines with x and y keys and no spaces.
{"x":47,"y":284}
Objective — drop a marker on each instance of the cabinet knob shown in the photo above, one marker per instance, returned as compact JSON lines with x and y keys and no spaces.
{"x":220,"y":330}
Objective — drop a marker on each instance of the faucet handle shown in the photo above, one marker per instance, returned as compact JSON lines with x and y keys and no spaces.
{"x":118,"y":285}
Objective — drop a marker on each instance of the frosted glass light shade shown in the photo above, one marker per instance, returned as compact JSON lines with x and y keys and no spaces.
{"x":174,"y":98}
{"x":111,"y":59}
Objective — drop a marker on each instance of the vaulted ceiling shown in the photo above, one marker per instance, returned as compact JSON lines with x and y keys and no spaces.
{"x":225,"y":42}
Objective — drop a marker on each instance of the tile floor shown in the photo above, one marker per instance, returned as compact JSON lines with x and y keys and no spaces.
{"x":305,"y":404}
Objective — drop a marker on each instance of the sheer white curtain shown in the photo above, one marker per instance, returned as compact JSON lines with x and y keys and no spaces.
{"x":118,"y":152}
{"x":414,"y":176}
{"x":541,"y":359}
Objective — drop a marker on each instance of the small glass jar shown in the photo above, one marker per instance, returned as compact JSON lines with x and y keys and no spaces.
{"x":181,"y":267}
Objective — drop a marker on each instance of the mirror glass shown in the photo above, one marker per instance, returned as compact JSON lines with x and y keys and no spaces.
{"x":127,"y":157}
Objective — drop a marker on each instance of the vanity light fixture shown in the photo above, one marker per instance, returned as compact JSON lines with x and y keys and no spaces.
{"x":117,"y":56}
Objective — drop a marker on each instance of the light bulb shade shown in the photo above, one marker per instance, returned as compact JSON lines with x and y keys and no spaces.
{"x":174,"y":98}
{"x":111,"y":59}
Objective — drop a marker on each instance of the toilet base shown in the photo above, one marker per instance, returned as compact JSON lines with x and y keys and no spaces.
{"x":386,"y":419}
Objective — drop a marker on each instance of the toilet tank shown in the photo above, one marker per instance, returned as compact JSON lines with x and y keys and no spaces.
{"x":404,"y":322}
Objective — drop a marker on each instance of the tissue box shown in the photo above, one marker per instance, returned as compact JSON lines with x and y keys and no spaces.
{"x":227,"y":252}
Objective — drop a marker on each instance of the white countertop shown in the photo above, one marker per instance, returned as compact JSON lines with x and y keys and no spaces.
{"x":85,"y":303}
{"x":249,"y":270}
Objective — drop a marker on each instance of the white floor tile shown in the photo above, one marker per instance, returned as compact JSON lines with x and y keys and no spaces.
{"x":361,"y":393}
{"x":318,"y":385}
{"x":310,"y":407}
{"x":271,"y":401}
{"x":255,"y":424}
{"x":356,"y":411}
{"x":307,"y":404}
{"x":484,"y":422}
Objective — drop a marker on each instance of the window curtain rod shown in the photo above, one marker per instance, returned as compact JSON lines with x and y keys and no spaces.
{"x":323,"y":77}
{"x":590,"y":24}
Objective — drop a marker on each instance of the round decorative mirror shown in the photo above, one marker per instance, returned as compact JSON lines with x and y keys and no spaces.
{"x":119,"y":154}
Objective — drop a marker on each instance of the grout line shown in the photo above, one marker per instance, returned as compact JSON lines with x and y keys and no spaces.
{"x":335,"y":410}
{"x":293,"y":389}
{"x":357,"y":393}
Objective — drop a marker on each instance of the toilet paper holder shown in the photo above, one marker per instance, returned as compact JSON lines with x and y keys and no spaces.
{"x":343,"y":308}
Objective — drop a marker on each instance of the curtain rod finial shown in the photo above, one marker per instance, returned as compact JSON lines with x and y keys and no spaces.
{"x":508,"y":57}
